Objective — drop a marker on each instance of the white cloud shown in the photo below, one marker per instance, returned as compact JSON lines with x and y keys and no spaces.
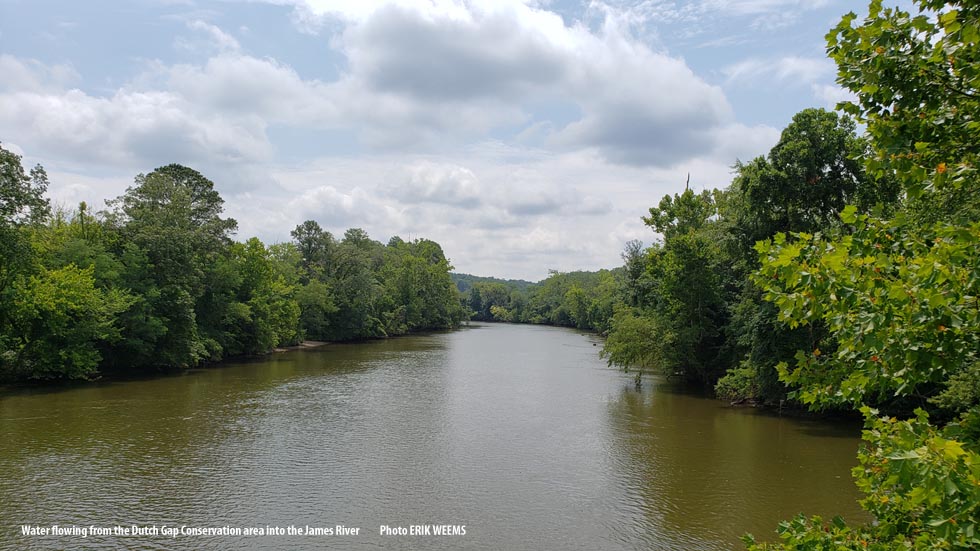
{"x":789,"y":69}
{"x":427,"y":182}
{"x":755,"y":7}
{"x":672,"y":11}
{"x":419,"y":78}
{"x":33,"y":76}
{"x":442,"y":100}
{"x":216,"y":38}
{"x":128,"y":128}
{"x":639,"y":106}
{"x":831,"y":94}
{"x":775,"y":20}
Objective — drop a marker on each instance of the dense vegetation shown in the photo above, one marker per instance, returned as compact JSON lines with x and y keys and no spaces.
{"x":896,"y":293}
{"x":575,"y":299}
{"x":156,"y":281}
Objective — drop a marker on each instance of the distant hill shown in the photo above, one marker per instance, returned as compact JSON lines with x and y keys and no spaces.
{"x":465,"y":281}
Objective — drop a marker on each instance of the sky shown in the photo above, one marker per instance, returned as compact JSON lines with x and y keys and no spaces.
{"x":523,"y":136}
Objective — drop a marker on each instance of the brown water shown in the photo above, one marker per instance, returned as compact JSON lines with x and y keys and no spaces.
{"x":520,"y":433}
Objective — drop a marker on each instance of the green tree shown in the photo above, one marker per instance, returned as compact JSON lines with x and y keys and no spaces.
{"x":22,"y":205}
{"x":916,"y":78}
{"x":60,"y":318}
{"x":637,"y":342}
{"x":899,"y":295}
{"x":812,"y":173}
{"x":801,"y":185}
{"x":315,"y":247}
{"x":172,"y":217}
{"x":22,"y":209}
{"x":690,"y":298}
{"x":681,"y":214}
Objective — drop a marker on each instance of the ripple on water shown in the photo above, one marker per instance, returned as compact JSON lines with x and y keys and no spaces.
{"x":520,"y":433}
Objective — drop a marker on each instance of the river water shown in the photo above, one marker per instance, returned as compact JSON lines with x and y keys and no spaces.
{"x":520,"y":434}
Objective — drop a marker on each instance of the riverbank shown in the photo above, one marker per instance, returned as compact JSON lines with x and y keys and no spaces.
{"x":110,"y":376}
{"x":301,"y":346}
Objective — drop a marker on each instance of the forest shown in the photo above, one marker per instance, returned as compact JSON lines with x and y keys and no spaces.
{"x":156,"y":282}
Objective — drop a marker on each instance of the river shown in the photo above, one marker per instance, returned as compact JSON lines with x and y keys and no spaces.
{"x":520,"y":434}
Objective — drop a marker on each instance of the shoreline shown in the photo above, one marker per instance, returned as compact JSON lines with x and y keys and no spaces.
{"x":302,"y":345}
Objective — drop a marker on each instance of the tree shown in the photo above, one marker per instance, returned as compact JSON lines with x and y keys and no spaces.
{"x":637,"y":342}
{"x":22,"y":204}
{"x":812,"y":173}
{"x":634,"y":263}
{"x":801,"y":185}
{"x":691,"y":302}
{"x":60,"y":317}
{"x":22,"y":207}
{"x":21,"y":196}
{"x":898,"y":294}
{"x":681,"y":214}
{"x":916,"y":80}
{"x":315,"y":246}
{"x":172,"y":216}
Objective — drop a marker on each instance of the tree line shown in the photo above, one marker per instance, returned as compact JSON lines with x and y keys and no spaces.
{"x":584,"y":300}
{"x":155,"y":281}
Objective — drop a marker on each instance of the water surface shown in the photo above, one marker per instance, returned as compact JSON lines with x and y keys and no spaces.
{"x":520,"y":433}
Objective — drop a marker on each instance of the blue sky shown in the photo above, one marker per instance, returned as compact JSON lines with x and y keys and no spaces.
{"x":522,"y":135}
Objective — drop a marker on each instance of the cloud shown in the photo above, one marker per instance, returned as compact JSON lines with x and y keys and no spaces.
{"x":791,"y":69}
{"x":755,"y":7}
{"x":497,"y":54}
{"x":831,"y":94}
{"x":637,"y":106}
{"x":685,"y":11}
{"x":518,"y":139}
{"x":242,"y":86}
{"x":427,"y":182}
{"x":215,"y":38}
{"x":741,"y":142}
{"x":33,"y":76}
{"x":420,"y":77}
{"x":336,"y":208}
{"x":774,"y":21}
{"x":128,"y":128}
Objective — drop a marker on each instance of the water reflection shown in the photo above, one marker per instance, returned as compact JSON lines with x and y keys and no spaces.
{"x":702,"y":473}
{"x":520,"y":433}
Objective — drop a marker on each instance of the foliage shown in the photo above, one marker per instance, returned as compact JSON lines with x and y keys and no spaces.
{"x":59,"y":319}
{"x":738,"y":384}
{"x":156,"y":281}
{"x":464,"y":282}
{"x":900,"y":300}
{"x":22,"y":206}
{"x":807,"y":178}
{"x":962,"y":391}
{"x":916,"y":79}
{"x":899,"y":295}
{"x":584,"y":300}
{"x":637,"y":341}
{"x":920,"y":483}
{"x":22,"y":199}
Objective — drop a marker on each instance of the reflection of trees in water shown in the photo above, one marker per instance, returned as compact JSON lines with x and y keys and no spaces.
{"x":188,"y":447}
{"x":699,"y":471}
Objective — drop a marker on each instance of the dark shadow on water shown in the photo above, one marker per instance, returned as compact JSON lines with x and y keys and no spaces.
{"x":833,"y":424}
